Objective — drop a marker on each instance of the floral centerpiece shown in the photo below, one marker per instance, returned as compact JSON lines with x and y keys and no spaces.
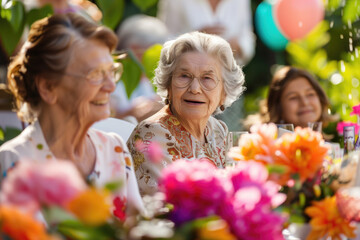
{"x":299,"y":163}
{"x":50,"y":200}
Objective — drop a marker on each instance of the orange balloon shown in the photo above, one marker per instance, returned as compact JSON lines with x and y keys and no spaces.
{"x":296,"y":18}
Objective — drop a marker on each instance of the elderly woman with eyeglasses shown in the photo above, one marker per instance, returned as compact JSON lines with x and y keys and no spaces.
{"x":62,"y":79}
{"x":197,"y":77}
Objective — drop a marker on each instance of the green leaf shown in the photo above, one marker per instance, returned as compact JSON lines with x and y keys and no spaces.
{"x":38,"y":13}
{"x":351,"y":11}
{"x":2,"y":136}
{"x":296,"y":218}
{"x":17,"y":16}
{"x":6,"y":10}
{"x":302,"y":199}
{"x":273,"y":168}
{"x":132,"y":73}
{"x":55,"y":214}
{"x":150,"y":60}
{"x":113,"y":186}
{"x":112,"y":10}
{"x":9,"y":37}
{"x":11,"y":133}
{"x":74,"y":229}
{"x":333,"y":4}
{"x":145,"y":4}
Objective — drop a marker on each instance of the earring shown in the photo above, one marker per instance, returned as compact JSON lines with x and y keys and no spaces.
{"x":222,"y":108}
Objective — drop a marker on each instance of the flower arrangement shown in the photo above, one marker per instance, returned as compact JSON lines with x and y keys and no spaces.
{"x":50,"y":200}
{"x":276,"y":182}
{"x":242,"y":196}
{"x":299,"y":163}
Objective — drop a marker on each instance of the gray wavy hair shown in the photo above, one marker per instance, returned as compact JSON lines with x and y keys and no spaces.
{"x":232,"y":74}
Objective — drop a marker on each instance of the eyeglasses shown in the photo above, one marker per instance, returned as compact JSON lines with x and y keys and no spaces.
{"x":183,"y":80}
{"x":98,"y":76}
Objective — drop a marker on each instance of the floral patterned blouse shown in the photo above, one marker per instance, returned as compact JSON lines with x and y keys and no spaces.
{"x":113,"y":161}
{"x":176,"y":142}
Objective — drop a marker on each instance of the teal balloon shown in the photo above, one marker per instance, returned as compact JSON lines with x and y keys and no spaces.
{"x":267,"y":29}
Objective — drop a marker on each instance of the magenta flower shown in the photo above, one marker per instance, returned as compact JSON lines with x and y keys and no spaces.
{"x":152,"y":150}
{"x":249,"y":211}
{"x":31,"y":184}
{"x":253,"y":175}
{"x":356,"y":110}
{"x":242,"y":196}
{"x":249,"y":219}
{"x":193,"y":188}
{"x":340,"y":126}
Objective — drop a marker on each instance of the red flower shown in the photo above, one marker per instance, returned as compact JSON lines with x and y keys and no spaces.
{"x":120,"y":208}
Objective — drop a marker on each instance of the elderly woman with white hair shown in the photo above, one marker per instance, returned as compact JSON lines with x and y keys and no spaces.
{"x":197,"y":77}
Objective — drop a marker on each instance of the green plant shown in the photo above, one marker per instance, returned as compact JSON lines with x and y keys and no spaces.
{"x":8,"y":133}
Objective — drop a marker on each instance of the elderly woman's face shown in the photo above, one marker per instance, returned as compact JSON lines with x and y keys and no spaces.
{"x":200,"y":98}
{"x":78,"y":94}
{"x":300,"y":103}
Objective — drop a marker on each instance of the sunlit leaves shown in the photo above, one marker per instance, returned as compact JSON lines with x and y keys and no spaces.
{"x":145,"y":4}
{"x":13,"y":20}
{"x":17,"y":16}
{"x":132,"y":74}
{"x":333,"y":4}
{"x":112,"y":10}
{"x":150,"y":59}
{"x":11,"y":25}
{"x":38,"y":13}
{"x":351,"y":11}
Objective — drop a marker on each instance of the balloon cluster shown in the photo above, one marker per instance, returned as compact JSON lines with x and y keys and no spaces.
{"x":279,"y":21}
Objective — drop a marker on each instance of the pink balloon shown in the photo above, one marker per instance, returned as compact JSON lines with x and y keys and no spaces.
{"x":296,"y":18}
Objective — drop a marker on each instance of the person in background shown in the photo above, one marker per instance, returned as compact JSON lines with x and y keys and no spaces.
{"x":85,"y":8}
{"x":136,"y":34}
{"x":230,"y":19}
{"x":62,"y":80}
{"x":197,"y":77}
{"x":296,"y":97}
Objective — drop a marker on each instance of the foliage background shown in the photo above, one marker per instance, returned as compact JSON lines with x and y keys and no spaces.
{"x":331,"y":51}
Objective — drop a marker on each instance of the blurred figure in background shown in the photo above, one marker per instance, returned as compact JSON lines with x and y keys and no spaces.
{"x":85,"y":8}
{"x":230,"y":19}
{"x":296,"y":97}
{"x":136,"y":34}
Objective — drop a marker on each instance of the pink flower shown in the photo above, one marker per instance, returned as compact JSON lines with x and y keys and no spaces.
{"x":248,"y":219}
{"x":31,"y":184}
{"x":250,"y":175}
{"x":193,"y":188}
{"x":340,"y":126}
{"x":356,"y":110}
{"x":151,"y":150}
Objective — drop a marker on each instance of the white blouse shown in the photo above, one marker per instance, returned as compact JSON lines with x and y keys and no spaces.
{"x":113,"y":161}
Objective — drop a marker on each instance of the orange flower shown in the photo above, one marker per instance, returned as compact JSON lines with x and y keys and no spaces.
{"x":91,"y":206}
{"x":20,"y":226}
{"x":216,"y":230}
{"x":327,"y":221}
{"x":302,"y":152}
{"x":257,"y":146}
